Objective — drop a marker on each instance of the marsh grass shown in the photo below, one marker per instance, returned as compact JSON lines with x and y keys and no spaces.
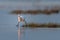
{"x":35,"y":25}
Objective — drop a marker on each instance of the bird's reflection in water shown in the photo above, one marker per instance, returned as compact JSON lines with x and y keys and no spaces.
{"x":20,"y":30}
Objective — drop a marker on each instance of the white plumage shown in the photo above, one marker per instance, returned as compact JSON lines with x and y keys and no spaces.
{"x":20,"y":19}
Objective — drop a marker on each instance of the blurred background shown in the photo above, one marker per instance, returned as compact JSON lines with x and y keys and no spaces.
{"x":8,"y":29}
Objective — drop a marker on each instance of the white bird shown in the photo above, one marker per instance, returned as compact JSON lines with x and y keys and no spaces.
{"x":20,"y":19}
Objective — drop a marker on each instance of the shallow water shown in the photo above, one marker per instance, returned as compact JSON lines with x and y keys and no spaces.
{"x":8,"y":29}
{"x":9,"y":32}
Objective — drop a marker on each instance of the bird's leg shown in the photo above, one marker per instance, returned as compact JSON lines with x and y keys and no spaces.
{"x":17,"y":24}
